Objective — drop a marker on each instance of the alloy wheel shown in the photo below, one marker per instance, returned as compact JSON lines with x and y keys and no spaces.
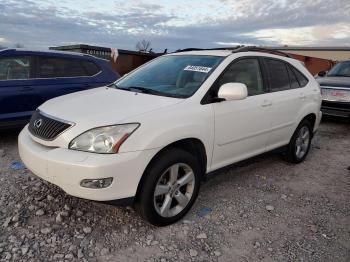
{"x":302,"y":142}
{"x":174,"y":190}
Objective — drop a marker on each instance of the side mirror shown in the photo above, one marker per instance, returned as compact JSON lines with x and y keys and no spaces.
{"x":233,"y":91}
{"x":322,"y":73}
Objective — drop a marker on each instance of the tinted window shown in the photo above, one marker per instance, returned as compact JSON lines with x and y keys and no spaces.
{"x":13,"y":68}
{"x":60,"y":67}
{"x":301,"y":78}
{"x":246,"y":71}
{"x":293,"y":80}
{"x":90,"y":68}
{"x":278,"y":75}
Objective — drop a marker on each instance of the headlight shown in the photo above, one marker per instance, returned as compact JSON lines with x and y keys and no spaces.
{"x":106,"y":139}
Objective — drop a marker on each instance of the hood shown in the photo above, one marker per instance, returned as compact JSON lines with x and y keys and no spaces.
{"x":103,"y":106}
{"x":334,"y":81}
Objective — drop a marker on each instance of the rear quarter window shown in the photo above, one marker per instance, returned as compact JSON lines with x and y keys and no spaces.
{"x":90,"y":68}
{"x":300,"y":76}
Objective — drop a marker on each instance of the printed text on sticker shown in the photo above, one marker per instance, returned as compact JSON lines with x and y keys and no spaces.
{"x":202,"y":69}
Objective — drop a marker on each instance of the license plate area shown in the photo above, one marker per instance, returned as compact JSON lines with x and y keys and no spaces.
{"x":339,"y":95}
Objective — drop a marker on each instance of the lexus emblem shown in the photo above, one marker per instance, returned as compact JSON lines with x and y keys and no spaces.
{"x":38,"y":123}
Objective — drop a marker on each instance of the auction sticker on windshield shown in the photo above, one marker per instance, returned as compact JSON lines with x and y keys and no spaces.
{"x":202,"y":69}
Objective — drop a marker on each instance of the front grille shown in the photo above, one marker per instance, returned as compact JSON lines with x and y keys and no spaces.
{"x":45,"y":127}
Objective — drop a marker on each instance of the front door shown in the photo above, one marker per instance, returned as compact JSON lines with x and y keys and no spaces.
{"x":241,"y":126}
{"x":17,"y":93}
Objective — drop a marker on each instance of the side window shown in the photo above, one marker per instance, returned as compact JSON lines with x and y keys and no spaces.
{"x":60,"y":67}
{"x":301,"y":78}
{"x":277,"y":74}
{"x":46,"y":68}
{"x":90,"y":68}
{"x":15,"y":68}
{"x":72,"y":68}
{"x":246,"y":71}
{"x":293,"y":80}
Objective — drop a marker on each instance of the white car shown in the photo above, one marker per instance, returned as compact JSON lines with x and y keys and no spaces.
{"x":153,"y":135}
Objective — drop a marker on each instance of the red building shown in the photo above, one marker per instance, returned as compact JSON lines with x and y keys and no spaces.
{"x":126,"y":62}
{"x":314,"y":64}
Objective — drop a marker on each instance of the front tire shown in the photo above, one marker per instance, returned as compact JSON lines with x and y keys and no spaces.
{"x":170,"y":187}
{"x":300,"y":143}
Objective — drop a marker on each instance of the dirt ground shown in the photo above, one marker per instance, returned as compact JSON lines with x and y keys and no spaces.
{"x":261,"y":210}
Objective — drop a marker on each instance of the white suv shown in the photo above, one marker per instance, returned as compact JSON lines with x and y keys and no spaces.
{"x":154,"y":134}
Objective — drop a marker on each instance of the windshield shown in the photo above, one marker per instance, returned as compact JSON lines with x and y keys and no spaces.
{"x":175,"y":76}
{"x":340,"y":69}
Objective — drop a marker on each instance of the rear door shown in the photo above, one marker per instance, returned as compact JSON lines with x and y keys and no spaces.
{"x":287,"y":98}
{"x":56,"y":76}
{"x":17,"y":93}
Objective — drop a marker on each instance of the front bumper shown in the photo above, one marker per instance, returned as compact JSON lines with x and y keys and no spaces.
{"x":67,"y":168}
{"x":335,"y":108}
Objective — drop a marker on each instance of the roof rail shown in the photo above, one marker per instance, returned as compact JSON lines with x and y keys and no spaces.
{"x":189,"y":49}
{"x":204,"y":49}
{"x":260,"y":49}
{"x":239,"y":48}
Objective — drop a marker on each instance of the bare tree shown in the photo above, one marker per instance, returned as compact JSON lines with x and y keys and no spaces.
{"x":143,"y":45}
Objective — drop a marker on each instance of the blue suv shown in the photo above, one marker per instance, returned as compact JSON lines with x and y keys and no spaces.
{"x":29,"y":78}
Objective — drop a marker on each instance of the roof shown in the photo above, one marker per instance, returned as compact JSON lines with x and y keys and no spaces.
{"x":226,"y":51}
{"x":60,"y":53}
{"x":205,"y":52}
{"x":84,"y":48}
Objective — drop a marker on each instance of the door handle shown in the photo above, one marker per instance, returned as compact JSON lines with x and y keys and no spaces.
{"x":266,"y":103}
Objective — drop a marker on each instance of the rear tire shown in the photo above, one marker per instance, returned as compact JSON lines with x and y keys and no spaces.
{"x":300,"y":143}
{"x":170,"y":187}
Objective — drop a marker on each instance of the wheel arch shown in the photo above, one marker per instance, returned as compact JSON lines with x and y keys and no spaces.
{"x":192,"y":145}
{"x":311,"y":118}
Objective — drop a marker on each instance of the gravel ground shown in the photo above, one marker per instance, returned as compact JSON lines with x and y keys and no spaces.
{"x":261,"y":210}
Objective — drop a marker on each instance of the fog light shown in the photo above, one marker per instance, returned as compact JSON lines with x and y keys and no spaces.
{"x":97,"y":183}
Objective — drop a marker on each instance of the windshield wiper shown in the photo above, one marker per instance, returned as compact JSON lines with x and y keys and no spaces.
{"x":143,"y":89}
{"x":132,"y":88}
{"x":149,"y":91}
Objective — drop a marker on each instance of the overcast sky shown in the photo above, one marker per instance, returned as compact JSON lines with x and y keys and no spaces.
{"x":174,"y":24}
